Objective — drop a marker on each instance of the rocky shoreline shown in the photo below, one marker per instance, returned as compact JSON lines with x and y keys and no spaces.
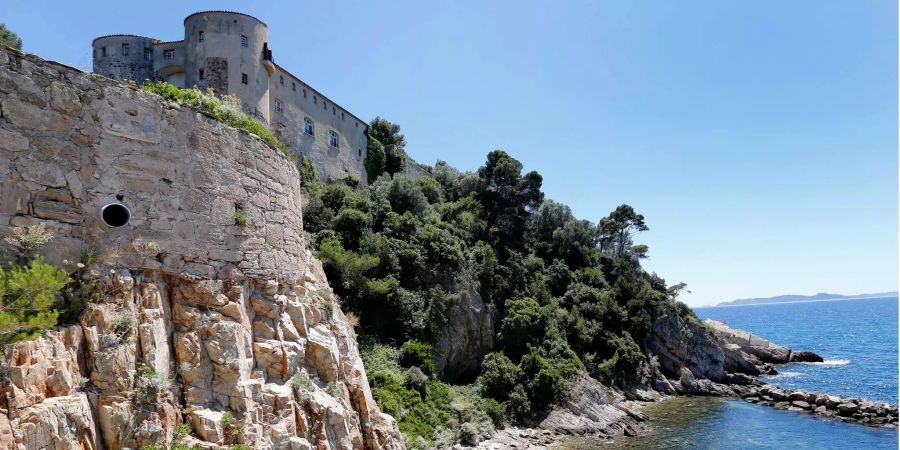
{"x":711,"y":360}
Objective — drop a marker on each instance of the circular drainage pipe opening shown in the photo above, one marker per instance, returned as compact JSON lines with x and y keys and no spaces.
{"x":115,"y":215}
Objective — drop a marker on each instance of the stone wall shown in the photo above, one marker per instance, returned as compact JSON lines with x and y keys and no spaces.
{"x":73,"y":142}
{"x":123,"y":67}
{"x":299,"y":101}
{"x":222,"y":318}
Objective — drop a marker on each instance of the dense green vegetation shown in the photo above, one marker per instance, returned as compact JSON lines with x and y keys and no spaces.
{"x":570,"y":294}
{"x":9,"y":39}
{"x":30,"y":290}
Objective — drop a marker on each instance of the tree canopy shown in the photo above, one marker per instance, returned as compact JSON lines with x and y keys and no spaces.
{"x":570,"y":294}
{"x":9,"y":39}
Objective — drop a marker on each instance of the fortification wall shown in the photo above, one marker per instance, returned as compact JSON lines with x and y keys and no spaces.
{"x":224,"y":62}
{"x":114,"y":64}
{"x":71,"y":143}
{"x":214,"y":318}
{"x":222,"y":41}
{"x":298,"y":102}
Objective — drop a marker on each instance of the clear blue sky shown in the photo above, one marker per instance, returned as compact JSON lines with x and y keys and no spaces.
{"x":759,"y":138}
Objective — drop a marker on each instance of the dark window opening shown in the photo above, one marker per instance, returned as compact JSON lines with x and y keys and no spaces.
{"x":200,"y":36}
{"x":245,"y":42}
{"x":244,"y":78}
{"x":115,"y":215}
{"x":202,"y":73}
{"x":280,"y":79}
{"x":293,"y":86}
{"x":103,"y":52}
{"x":148,"y":54}
{"x":126,"y":49}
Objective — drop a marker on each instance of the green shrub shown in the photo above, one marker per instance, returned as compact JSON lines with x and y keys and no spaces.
{"x":525,"y":324}
{"x":417,"y":354}
{"x":543,"y":381}
{"x":499,"y":375}
{"x":375,"y":159}
{"x":149,"y":385}
{"x":182,"y":430}
{"x":28,"y":296}
{"x":494,"y":410}
{"x":518,"y":405}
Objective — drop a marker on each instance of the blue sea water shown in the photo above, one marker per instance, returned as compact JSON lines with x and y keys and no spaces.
{"x":858,"y":339}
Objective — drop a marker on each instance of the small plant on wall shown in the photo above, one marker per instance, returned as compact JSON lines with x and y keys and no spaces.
{"x":241,"y":219}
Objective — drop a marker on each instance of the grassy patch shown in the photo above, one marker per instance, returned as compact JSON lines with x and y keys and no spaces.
{"x":225,"y":109}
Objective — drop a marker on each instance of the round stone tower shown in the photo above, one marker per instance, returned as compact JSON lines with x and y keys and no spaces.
{"x":224,"y":51}
{"x":124,"y":56}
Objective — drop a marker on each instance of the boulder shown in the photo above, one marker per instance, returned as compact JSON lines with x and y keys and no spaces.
{"x":848,"y":409}
{"x":800,"y":404}
{"x":805,"y":356}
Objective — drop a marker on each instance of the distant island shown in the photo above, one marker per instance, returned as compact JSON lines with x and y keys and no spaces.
{"x":804,"y":298}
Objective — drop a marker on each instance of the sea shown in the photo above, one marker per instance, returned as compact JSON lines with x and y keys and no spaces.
{"x":857,"y":338}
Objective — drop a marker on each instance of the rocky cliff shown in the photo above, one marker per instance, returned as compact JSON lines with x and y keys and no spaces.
{"x":206,"y":320}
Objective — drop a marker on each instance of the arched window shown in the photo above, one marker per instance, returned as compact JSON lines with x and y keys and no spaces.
{"x":332,"y":138}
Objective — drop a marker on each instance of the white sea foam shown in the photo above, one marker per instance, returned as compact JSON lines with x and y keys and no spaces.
{"x":830,"y":362}
{"x":787,"y":375}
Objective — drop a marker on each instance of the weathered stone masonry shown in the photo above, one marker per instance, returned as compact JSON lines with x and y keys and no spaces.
{"x":229,"y":313}
{"x":229,"y":52}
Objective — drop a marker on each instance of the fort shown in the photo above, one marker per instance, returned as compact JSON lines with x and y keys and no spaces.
{"x":229,"y":53}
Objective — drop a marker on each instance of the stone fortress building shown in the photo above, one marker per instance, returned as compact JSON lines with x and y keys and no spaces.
{"x":229,"y":53}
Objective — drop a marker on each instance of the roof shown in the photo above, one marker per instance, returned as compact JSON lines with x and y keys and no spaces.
{"x":168,"y":42}
{"x":226,"y":12}
{"x":366,"y":124}
{"x":123,"y":35}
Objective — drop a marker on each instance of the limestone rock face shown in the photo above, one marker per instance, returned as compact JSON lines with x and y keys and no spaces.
{"x":467,"y":336}
{"x":191,"y":319}
{"x":679,"y":343}
{"x":755,"y":346}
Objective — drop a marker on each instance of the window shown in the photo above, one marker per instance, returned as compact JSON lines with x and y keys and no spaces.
{"x":293,"y":86}
{"x":333,"y":111}
{"x":244,"y":78}
{"x":315,"y":99}
{"x":277,"y":105}
{"x":360,"y":152}
{"x":308,"y":126}
{"x":148,"y":54}
{"x":103,"y":52}
{"x":244,"y":41}
{"x":342,"y":115}
{"x":169,"y":54}
{"x":200,"y":36}
{"x":126,"y":49}
{"x":324,"y":105}
{"x":280,"y":79}
{"x":202,"y":74}
{"x":332,"y":138}
{"x":304,"y":93}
